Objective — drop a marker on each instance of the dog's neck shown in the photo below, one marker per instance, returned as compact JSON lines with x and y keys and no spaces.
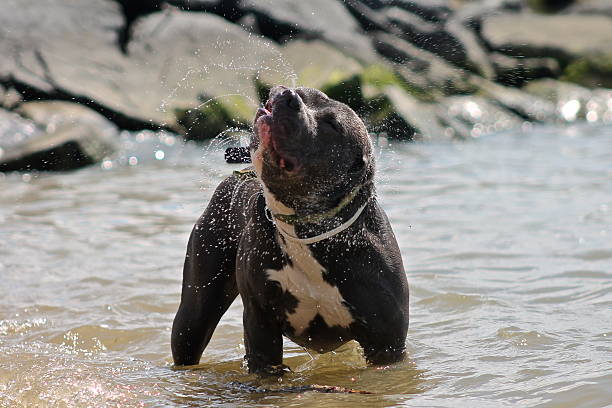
{"x":312,"y":228}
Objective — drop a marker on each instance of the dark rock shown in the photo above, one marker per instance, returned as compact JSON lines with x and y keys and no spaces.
{"x":477,"y":57}
{"x":428,"y":36}
{"x":67,"y":137}
{"x":518,"y":71}
{"x":368,"y":18}
{"x":431,"y":10}
{"x":228,"y":9}
{"x":549,"y":6}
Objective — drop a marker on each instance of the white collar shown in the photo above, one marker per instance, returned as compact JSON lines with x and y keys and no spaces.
{"x":325,"y":235}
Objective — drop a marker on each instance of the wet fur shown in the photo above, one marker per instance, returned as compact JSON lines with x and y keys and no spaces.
{"x":348,"y":287}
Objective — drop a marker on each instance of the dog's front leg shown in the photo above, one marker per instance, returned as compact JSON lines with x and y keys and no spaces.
{"x":263,"y":341}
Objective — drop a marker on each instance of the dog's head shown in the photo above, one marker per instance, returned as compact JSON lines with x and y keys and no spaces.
{"x":310,"y":151}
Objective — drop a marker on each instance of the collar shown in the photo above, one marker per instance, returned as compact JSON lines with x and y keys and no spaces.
{"x":325,"y":235}
{"x":295,"y":219}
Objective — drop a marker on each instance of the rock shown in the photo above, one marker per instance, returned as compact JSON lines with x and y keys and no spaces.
{"x":476,"y":55}
{"x":548,"y":6}
{"x":574,"y":102}
{"x":174,"y":70}
{"x":9,"y":97}
{"x":175,"y":61}
{"x":520,"y":103}
{"x":428,"y":36}
{"x":421,"y":116}
{"x":518,"y":71}
{"x":369,"y":19}
{"x":52,"y":114}
{"x":328,"y":20}
{"x":68,"y":137}
{"x":315,"y":64}
{"x":431,"y":10}
{"x":421,"y":67}
{"x":596,"y":7}
{"x":594,"y":71}
{"x":563,"y":37}
{"x":476,"y":116}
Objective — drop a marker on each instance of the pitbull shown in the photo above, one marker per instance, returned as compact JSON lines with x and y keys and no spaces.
{"x":301,"y":237}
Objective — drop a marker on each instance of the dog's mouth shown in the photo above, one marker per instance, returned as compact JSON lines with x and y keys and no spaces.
{"x":271,"y":137}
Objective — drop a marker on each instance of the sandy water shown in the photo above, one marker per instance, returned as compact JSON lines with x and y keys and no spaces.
{"x":506,"y":241}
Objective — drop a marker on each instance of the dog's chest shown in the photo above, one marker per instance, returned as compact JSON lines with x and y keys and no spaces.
{"x":303,"y":278}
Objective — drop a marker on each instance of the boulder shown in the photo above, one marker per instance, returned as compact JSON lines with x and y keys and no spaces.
{"x":518,"y":102}
{"x":561,"y":36}
{"x":595,"y":7}
{"x":62,"y":136}
{"x":174,"y":61}
{"x":328,"y":20}
{"x":421,"y":116}
{"x":516,"y":72}
{"x":314,"y":64}
{"x":426,"y":35}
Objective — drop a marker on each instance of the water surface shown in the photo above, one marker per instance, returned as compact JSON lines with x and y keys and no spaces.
{"x":505,"y":239}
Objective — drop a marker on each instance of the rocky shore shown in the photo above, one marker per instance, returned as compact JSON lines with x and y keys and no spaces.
{"x":75,"y":74}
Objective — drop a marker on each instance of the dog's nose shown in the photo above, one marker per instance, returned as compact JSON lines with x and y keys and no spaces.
{"x":291,"y":98}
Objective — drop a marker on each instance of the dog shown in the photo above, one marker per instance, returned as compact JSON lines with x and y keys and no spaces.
{"x":301,"y":237}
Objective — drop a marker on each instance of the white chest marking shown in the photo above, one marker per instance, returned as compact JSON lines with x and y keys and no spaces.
{"x":304,"y":280}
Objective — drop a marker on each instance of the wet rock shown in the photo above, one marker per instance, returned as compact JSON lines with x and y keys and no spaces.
{"x":64,"y":136}
{"x":563,"y":37}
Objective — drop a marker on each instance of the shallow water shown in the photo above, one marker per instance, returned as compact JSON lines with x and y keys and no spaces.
{"x":506,"y":242}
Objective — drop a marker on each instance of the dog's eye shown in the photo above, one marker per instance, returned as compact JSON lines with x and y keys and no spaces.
{"x":357,"y":165}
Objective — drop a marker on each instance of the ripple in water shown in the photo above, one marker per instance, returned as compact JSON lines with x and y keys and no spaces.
{"x":505,"y":241}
